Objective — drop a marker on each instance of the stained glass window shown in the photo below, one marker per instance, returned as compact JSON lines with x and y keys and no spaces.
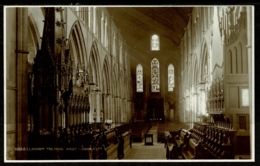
{"x":155,"y":75}
{"x":139,"y":78}
{"x":155,"y":43}
{"x":170,"y":78}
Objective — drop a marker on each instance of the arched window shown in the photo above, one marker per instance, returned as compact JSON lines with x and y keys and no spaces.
{"x":170,"y":78}
{"x":139,"y":78}
{"x":155,"y":43}
{"x":155,"y":75}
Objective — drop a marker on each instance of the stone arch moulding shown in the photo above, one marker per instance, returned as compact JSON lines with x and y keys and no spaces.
{"x":106,"y":76}
{"x":115,"y":81}
{"x":203,"y":61}
{"x":195,"y":74}
{"x":122,"y":86}
{"x":77,"y":45}
{"x":75,"y":56}
{"x":94,"y":66}
{"x":34,"y":31}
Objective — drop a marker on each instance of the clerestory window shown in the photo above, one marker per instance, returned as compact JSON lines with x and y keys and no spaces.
{"x":155,"y":43}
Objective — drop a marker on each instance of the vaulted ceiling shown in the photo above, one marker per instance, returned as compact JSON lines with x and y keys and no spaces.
{"x":137,"y":24}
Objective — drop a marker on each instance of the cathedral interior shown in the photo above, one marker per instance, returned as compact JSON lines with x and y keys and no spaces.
{"x":128,"y":83}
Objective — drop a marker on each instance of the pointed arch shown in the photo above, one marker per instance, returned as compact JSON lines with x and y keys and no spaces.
{"x":105,"y":87}
{"x":155,"y":75}
{"x":204,"y":66}
{"x":94,"y":65}
{"x":34,"y":32}
{"x":114,"y":94}
{"x":106,"y":76}
{"x":77,"y":48}
{"x":203,"y":77}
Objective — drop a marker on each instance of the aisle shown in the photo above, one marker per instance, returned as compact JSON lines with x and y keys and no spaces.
{"x":149,"y":152}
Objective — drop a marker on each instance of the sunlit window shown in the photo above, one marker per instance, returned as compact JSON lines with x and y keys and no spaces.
{"x":170,"y":78}
{"x":155,"y":43}
{"x":155,"y":75}
{"x":139,"y":78}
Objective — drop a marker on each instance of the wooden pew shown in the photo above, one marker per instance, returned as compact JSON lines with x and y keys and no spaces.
{"x":206,"y":141}
{"x":139,"y":130}
{"x":112,"y":145}
{"x":126,"y":136}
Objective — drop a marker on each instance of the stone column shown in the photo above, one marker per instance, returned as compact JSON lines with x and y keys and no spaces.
{"x":126,"y":111}
{"x":109,"y":105}
{"x":53,"y":117}
{"x":87,"y":114}
{"x":106,"y":107}
{"x":91,"y":109}
{"x":22,"y":82}
{"x":112,"y":108}
{"x":11,"y":84}
{"x":67,"y":113}
{"x":117,"y":110}
{"x":250,"y":31}
{"x":71,"y":115}
{"x":121,"y":110}
{"x":98,"y":105}
{"x":57,"y":116}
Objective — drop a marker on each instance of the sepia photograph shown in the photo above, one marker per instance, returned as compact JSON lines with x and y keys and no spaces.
{"x":129,"y":83}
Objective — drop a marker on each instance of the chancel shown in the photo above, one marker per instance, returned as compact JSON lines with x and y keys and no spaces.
{"x":129,"y":83}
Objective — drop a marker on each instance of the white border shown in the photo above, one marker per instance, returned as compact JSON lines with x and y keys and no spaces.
{"x":252,"y":115}
{"x":4,"y":15}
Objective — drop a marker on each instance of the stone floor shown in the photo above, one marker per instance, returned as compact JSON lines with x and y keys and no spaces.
{"x":140,"y":151}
